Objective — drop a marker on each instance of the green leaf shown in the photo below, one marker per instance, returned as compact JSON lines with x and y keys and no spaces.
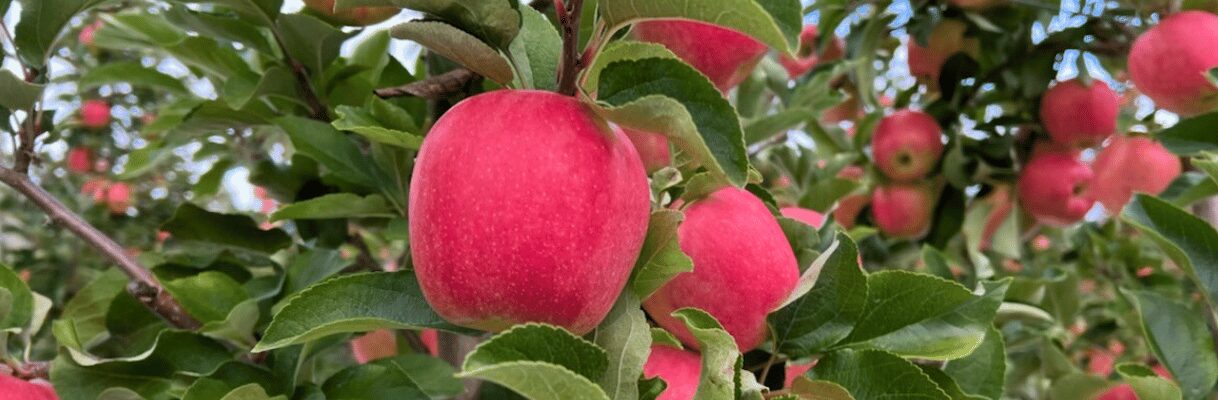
{"x":667,"y":96}
{"x":263,"y":12}
{"x":365,"y":123}
{"x":1147,"y":384}
{"x":1191,"y":136}
{"x":237,"y":326}
{"x":1179,"y":338}
{"x":535,"y":51}
{"x":661,"y":336}
{"x":826,"y":315}
{"x":309,"y":40}
{"x":275,"y":81}
{"x":74,"y":382}
{"x":41,"y":25}
{"x":336,"y":205}
{"x":251,"y":391}
{"x":455,"y":44}
{"x":331,"y":149}
{"x":720,"y":357}
{"x":983,"y":372}
{"x":947,"y":384}
{"x":876,"y":375}
{"x":808,"y":389}
{"x":21,"y":301}
{"x":224,"y":26}
{"x":661,"y":258}
{"x":410,"y":376}
{"x":918,"y":315}
{"x":494,"y":21}
{"x":622,"y":50}
{"x":774,"y":22}
{"x":18,"y":94}
{"x":313,"y":266}
{"x":1078,"y":385}
{"x":767,"y":126}
{"x":626,"y":337}
{"x":185,"y":351}
{"x":190,"y":222}
{"x":132,"y":73}
{"x":540,"y":343}
{"x":351,"y":303}
{"x":1190,"y":242}
{"x":539,"y":381}
{"x":229,"y":376}
{"x":208,"y":296}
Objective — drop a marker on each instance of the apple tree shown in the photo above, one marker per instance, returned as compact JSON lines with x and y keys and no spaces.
{"x":608,"y":199}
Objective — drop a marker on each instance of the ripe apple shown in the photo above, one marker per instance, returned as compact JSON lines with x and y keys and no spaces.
{"x":1119,"y":392}
{"x":87,"y":32}
{"x":1169,"y":62}
{"x":14,"y":388}
{"x":804,"y":215}
{"x":375,"y":345}
{"x":743,"y":268}
{"x":652,"y":148}
{"x":1001,"y":206}
{"x":808,"y":57}
{"x":679,"y":369}
{"x":794,"y":371}
{"x":1078,"y":115}
{"x":80,"y":160}
{"x":946,"y":39}
{"x":1053,"y":188}
{"x":723,"y":55}
{"x":906,"y":145}
{"x":525,"y":206}
{"x":95,"y":114}
{"x":849,"y":208}
{"x":358,"y":16}
{"x":903,"y":211}
{"x":118,"y":198}
{"x":1131,"y":164}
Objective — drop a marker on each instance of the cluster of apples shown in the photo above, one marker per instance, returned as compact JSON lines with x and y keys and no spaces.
{"x":906,"y":147}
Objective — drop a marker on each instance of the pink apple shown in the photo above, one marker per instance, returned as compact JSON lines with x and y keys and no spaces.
{"x":808,"y":57}
{"x":95,"y":114}
{"x":95,"y":189}
{"x":723,"y":55}
{"x":358,"y":16}
{"x":946,"y":39}
{"x":14,"y":388}
{"x":907,"y":145}
{"x":652,"y":147}
{"x":794,"y":371}
{"x":375,"y":345}
{"x":118,"y":198}
{"x":849,"y":208}
{"x":1001,"y":206}
{"x":87,"y":32}
{"x":1119,"y":392}
{"x":1078,"y":115}
{"x":804,"y":215}
{"x":1131,"y":164}
{"x":903,"y":211}
{"x":743,"y":268}
{"x":80,"y":160}
{"x":680,"y":370}
{"x":1053,"y":188}
{"x":525,"y":207}
{"x":1169,"y":62}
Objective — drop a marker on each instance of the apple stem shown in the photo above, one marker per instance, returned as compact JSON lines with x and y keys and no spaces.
{"x":568,"y":19}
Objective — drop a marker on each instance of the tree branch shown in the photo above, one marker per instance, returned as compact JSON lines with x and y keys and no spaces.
{"x":143,"y":286}
{"x":432,"y":88}
{"x":317,"y":110}
{"x":572,"y":61}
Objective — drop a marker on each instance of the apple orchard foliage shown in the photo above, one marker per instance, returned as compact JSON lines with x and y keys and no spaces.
{"x":900,"y":201}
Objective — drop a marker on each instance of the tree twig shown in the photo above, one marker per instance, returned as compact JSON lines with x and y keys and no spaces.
{"x":317,"y":110}
{"x":143,"y":286}
{"x":432,"y":88}
{"x":572,"y":60}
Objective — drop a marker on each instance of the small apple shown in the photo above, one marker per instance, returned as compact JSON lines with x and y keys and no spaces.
{"x":946,"y":39}
{"x":80,"y":160}
{"x":903,"y":211}
{"x":1119,"y":392}
{"x":95,"y":114}
{"x":652,"y":147}
{"x":14,"y":388}
{"x":358,"y":16}
{"x":808,"y":56}
{"x":1171,"y":61}
{"x":1001,"y":205}
{"x":1053,"y":188}
{"x":95,"y":189}
{"x":804,"y":215}
{"x":375,"y":345}
{"x":87,"y":32}
{"x":1128,"y":165}
{"x":723,"y":55}
{"x":680,"y":370}
{"x":118,"y":198}
{"x":743,"y":268}
{"x":907,"y":145}
{"x":1079,"y":115}
{"x":525,"y":206}
{"x":849,"y":207}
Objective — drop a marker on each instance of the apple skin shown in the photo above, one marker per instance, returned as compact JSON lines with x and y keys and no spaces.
{"x":1000,"y":208}
{"x":794,"y":371}
{"x":1078,"y":115}
{"x":1053,"y":188}
{"x":946,"y":39}
{"x":906,"y":145}
{"x":525,"y":207}
{"x":903,"y":211}
{"x":976,"y":5}
{"x":804,"y":215}
{"x":723,"y":55}
{"x":358,"y":16}
{"x":652,"y":148}
{"x":374,"y":345}
{"x":1169,"y":62}
{"x":118,"y":198}
{"x":80,"y":160}
{"x":679,"y":369}
{"x":743,"y":268}
{"x":14,"y":388}
{"x":95,"y":114}
{"x":1128,"y":165}
{"x":87,"y":32}
{"x":807,"y":57}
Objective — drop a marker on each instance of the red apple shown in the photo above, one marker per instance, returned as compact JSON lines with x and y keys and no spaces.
{"x":118,"y":198}
{"x":1001,"y":206}
{"x":1119,"y":392}
{"x":14,"y":388}
{"x":946,"y":39}
{"x":375,"y":345}
{"x":804,"y":215}
{"x":906,"y":145}
{"x":80,"y":160}
{"x":808,"y":57}
{"x":794,"y":371}
{"x":1053,"y":188}
{"x":1131,"y":164}
{"x":95,"y":114}
{"x":95,"y":189}
{"x":679,"y":369}
{"x":723,"y":55}
{"x":903,"y":211}
{"x":525,"y":207}
{"x":652,"y":147}
{"x":849,"y":208}
{"x":87,"y":32}
{"x":358,"y":16}
{"x":1169,"y":62}
{"x":1078,"y":115}
{"x":743,"y":268}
